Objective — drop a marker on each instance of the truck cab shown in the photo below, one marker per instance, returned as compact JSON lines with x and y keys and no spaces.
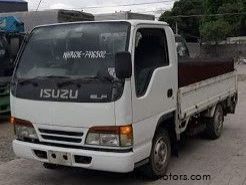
{"x":100,"y":95}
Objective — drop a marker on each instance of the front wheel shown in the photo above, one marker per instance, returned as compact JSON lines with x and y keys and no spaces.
{"x":160,"y":155}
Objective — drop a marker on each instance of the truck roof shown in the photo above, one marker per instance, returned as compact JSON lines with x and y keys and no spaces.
{"x":124,"y":15}
{"x":13,"y":1}
{"x":136,"y":22}
{"x":31,"y":19}
{"x":132,"y":22}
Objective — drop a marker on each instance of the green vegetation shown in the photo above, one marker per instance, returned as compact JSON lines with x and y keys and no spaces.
{"x":188,"y":27}
{"x":215,"y":30}
{"x":208,"y":28}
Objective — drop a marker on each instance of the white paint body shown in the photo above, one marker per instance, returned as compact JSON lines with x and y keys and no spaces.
{"x":143,"y":113}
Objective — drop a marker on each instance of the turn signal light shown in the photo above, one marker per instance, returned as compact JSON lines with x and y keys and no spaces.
{"x":16,"y":121}
{"x":24,"y":130}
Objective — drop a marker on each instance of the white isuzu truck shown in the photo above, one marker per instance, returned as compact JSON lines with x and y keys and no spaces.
{"x":112,"y":96}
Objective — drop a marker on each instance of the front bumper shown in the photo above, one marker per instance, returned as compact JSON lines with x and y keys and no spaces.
{"x":104,"y":161}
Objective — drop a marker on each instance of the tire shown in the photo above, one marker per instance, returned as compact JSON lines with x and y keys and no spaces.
{"x":50,"y":166}
{"x":214,"y":125}
{"x":159,"y":157}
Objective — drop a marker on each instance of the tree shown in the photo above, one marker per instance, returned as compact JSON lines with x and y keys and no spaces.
{"x":212,"y":6}
{"x":188,"y":27}
{"x":243,"y":25}
{"x":237,"y":22}
{"x":196,"y":27}
{"x":215,"y":30}
{"x":167,"y":16}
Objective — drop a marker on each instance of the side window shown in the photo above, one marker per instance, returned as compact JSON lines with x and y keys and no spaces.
{"x":151,"y":52}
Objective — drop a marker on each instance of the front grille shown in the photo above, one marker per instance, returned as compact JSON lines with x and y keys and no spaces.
{"x":61,"y":136}
{"x":58,"y":132}
{"x":65,"y":139}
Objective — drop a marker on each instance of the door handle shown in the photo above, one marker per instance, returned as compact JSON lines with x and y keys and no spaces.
{"x":170,"y":93}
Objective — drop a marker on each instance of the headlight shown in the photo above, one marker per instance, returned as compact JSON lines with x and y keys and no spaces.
{"x":111,"y":136}
{"x":24,"y":129}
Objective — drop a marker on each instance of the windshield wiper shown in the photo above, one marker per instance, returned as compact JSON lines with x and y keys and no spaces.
{"x":75,"y":81}
{"x":102,"y":78}
{"x":69,"y":82}
{"x":51,"y":77}
{"x":32,"y":80}
{"x":27,"y":81}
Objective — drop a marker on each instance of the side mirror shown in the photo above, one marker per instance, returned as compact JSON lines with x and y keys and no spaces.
{"x":123,"y":65}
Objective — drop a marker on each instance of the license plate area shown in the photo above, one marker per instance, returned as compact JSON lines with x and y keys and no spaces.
{"x":61,"y":158}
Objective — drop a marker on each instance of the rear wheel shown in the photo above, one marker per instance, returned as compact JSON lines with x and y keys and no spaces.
{"x":159,"y":157}
{"x":215,"y":124}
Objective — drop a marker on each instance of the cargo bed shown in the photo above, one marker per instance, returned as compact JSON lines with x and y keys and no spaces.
{"x":202,"y":95}
{"x":198,"y":69}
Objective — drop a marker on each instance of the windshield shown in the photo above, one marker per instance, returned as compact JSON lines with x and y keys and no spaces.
{"x":73,"y":50}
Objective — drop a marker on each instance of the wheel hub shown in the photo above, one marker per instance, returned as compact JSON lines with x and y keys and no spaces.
{"x":160,"y":154}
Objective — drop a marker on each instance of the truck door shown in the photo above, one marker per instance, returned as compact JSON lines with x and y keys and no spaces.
{"x":154,"y":85}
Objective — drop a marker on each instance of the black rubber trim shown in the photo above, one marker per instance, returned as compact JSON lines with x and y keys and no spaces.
{"x":82,"y":159}
{"x":81,"y":147}
{"x":141,"y":163}
{"x":41,"y":154}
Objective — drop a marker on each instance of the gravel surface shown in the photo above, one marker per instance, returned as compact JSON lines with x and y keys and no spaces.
{"x":6,"y":137}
